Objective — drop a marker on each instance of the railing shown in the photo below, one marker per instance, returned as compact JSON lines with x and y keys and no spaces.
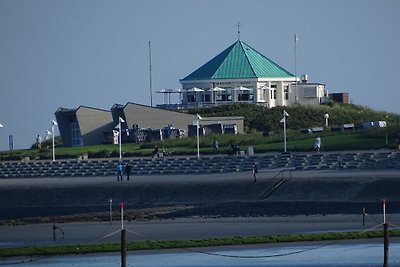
{"x":276,"y":181}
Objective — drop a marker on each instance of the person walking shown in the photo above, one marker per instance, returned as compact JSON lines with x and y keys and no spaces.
{"x":120,"y":170}
{"x":127,"y":171}
{"x":255,"y":171}
{"x":39,"y":141}
{"x":215,"y":146}
{"x":155,"y":153}
{"x":317,"y":143}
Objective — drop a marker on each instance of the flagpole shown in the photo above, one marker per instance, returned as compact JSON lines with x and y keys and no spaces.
{"x":120,"y":139}
{"x":284,"y":130}
{"x":295,"y":67}
{"x":198,"y":135}
{"x":1,"y":125}
{"x":198,"y":139}
{"x":53,"y":123}
{"x":283,"y":120}
{"x":52,"y":136}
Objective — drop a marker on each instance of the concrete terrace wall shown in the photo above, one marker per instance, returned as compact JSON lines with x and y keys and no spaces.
{"x":155,"y":118}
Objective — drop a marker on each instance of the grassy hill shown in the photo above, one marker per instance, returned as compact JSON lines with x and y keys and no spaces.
{"x":301,"y":116}
{"x":257,"y":120}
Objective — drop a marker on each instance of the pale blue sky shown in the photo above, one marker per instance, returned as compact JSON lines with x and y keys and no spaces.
{"x":92,"y":52}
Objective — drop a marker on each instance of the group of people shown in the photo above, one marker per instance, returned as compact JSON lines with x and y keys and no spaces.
{"x":121,"y":169}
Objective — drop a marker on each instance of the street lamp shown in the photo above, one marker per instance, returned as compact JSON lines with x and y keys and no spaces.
{"x":285,"y":114}
{"x":53,"y":123}
{"x":326,"y":116}
{"x":120,"y":139}
{"x":198,"y":138}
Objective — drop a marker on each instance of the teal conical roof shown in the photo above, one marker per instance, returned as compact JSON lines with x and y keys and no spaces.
{"x":236,"y":62}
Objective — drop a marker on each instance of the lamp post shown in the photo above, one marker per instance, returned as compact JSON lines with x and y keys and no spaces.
{"x":198,"y":138}
{"x":326,"y":116}
{"x":53,"y":123}
{"x":285,"y":114}
{"x":120,"y":139}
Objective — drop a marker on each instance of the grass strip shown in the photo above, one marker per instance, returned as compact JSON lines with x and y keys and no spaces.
{"x":157,"y":245}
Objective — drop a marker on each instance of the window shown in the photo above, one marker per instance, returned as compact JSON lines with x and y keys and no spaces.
{"x":219,"y":97}
{"x":310,"y":92}
{"x":76,"y":137}
{"x":286,"y":90}
{"x":191,"y":98}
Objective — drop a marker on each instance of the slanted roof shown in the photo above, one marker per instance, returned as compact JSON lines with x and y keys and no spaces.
{"x":74,"y":110}
{"x":239,"y":61}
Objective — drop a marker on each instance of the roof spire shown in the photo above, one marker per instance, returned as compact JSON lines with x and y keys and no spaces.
{"x":238,"y":30}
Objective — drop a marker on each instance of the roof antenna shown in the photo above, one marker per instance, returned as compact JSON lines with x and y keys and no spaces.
{"x":238,"y":30}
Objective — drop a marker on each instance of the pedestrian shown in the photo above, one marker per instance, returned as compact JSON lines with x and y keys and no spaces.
{"x":120,"y":170}
{"x":398,"y":141}
{"x":255,"y":171}
{"x":317,"y":144}
{"x":39,"y":141}
{"x":215,"y":146}
{"x":127,"y":170}
{"x":155,"y":152}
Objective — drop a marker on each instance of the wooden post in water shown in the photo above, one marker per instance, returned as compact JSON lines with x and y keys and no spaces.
{"x":363,"y":214}
{"x":123,"y":248}
{"x":54,"y":231}
{"x":123,"y":238}
{"x":385,"y":245}
{"x":385,"y":237}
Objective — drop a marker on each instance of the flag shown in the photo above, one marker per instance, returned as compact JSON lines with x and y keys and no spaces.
{"x":121,"y":119}
{"x":199,"y":117}
{"x":1,"y":125}
{"x":285,"y":113}
{"x":48,"y":133}
{"x":296,"y":38}
{"x":54,"y":123}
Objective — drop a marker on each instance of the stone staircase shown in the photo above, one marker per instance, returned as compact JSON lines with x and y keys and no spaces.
{"x":376,"y":160}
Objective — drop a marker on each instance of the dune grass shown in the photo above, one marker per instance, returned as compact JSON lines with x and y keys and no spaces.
{"x":157,"y":245}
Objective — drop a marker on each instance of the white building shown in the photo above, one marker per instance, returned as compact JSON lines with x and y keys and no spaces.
{"x":240,"y":74}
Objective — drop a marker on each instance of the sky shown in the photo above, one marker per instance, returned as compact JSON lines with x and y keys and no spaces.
{"x":95,"y":53}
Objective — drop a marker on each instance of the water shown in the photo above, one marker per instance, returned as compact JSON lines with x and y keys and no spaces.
{"x":349,"y":255}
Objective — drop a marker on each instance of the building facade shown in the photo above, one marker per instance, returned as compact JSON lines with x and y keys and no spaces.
{"x":240,"y":74}
{"x":83,"y":126}
{"x":91,"y":126}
